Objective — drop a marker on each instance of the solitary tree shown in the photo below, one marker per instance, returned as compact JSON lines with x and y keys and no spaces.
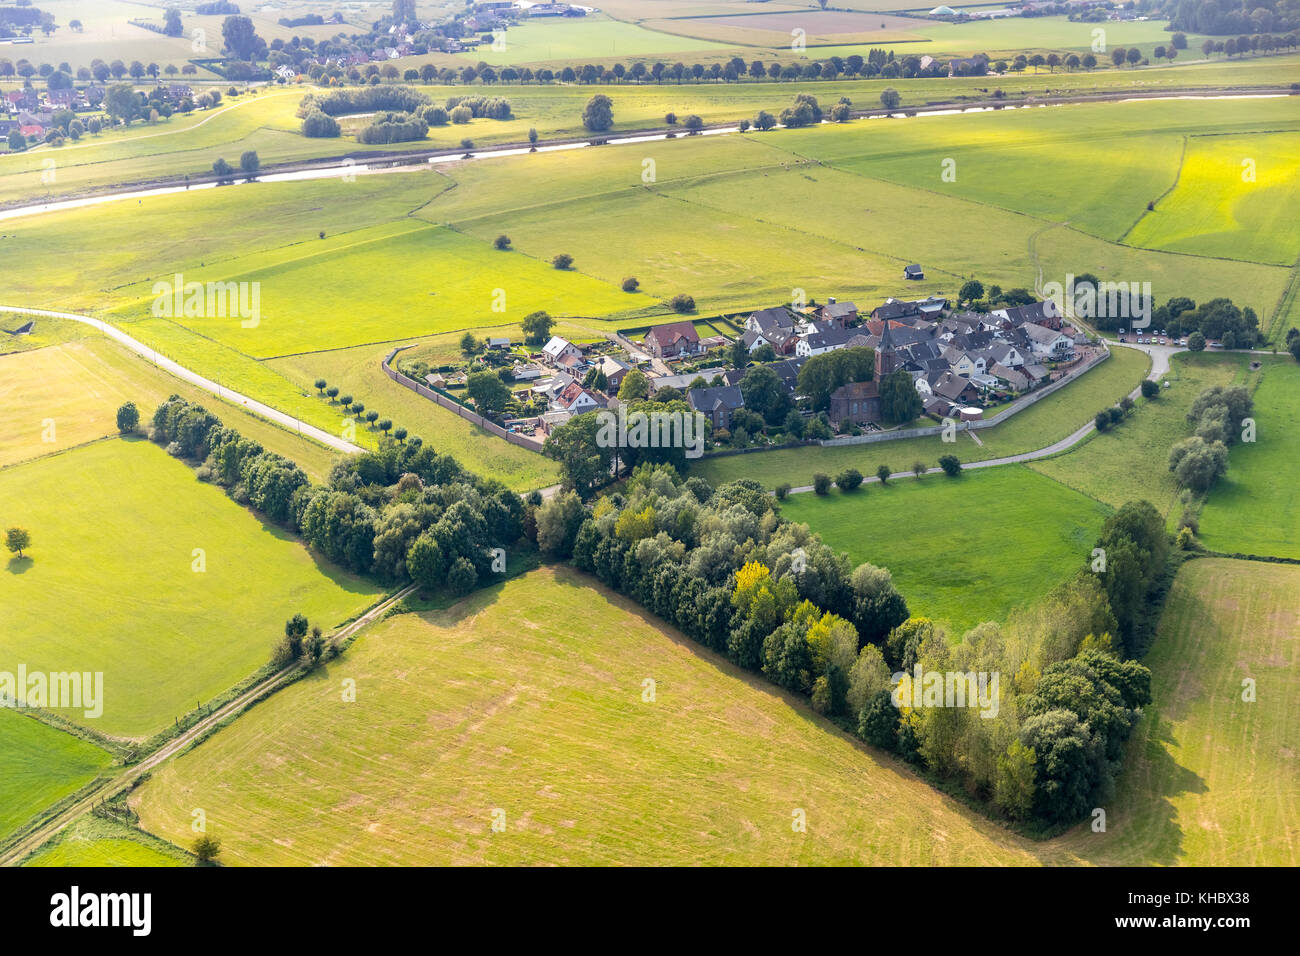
{"x":599,"y":113}
{"x":537,"y":327}
{"x":562,"y":261}
{"x":207,"y":849}
{"x":128,"y":417}
{"x":890,"y":98}
{"x":16,"y":539}
{"x":249,"y":163}
{"x":502,"y":242}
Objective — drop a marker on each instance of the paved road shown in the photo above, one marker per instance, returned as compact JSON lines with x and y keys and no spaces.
{"x":37,"y":838}
{"x":180,"y":371}
{"x":1159,"y":366}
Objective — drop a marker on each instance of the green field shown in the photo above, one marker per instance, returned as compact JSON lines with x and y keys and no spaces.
{"x":109,"y":583}
{"x":962,"y":551}
{"x":579,"y":41}
{"x":1131,"y":461}
{"x":1255,"y":508}
{"x":39,"y":765}
{"x":1212,"y":780}
{"x":1221,"y":207}
{"x":1037,"y":426}
{"x":79,"y":385}
{"x":94,"y":842}
{"x":527,"y":698}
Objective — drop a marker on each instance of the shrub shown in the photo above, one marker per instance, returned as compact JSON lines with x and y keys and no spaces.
{"x":883,"y":473}
{"x":782,"y":490}
{"x":821,"y":483}
{"x":950,"y":465}
{"x":919,"y":468}
{"x":562,"y":261}
{"x":631,"y":283}
{"x":682,"y":303}
{"x":502,"y":242}
{"x":850,"y":479}
{"x":1150,"y":388}
{"x":1102,"y":420}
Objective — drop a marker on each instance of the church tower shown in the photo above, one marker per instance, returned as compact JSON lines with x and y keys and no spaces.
{"x":886,"y":357}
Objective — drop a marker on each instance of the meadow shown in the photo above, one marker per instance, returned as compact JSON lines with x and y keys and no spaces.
{"x":552,"y":40}
{"x":94,"y":842}
{"x":182,"y":626}
{"x":40,"y":765}
{"x":1255,"y":508}
{"x":1037,"y":426}
{"x":78,"y":386}
{"x":527,"y":698}
{"x":1211,"y":779}
{"x":1131,"y":461}
{"x":965,"y":550}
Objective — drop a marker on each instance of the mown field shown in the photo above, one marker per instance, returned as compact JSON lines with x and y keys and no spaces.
{"x":78,"y":386}
{"x":551,"y":39}
{"x":1037,"y":426}
{"x":1255,"y":508}
{"x":962,"y":550}
{"x":95,"y":842}
{"x":109,"y":584}
{"x":40,"y":765}
{"x":1211,"y":780}
{"x":526,"y":698}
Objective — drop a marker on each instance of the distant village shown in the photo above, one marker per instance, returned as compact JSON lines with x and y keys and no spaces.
{"x":961,"y":362}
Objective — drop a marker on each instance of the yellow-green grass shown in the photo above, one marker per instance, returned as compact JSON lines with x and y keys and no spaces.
{"x":64,"y":395}
{"x":94,"y":842}
{"x":1211,"y":779}
{"x":527,"y":698}
{"x":107,"y":35}
{"x":109,"y":583}
{"x":357,"y":372}
{"x":1038,"y":426}
{"x":1235,"y":197}
{"x":777,"y":30}
{"x":39,"y":765}
{"x":384,"y":283}
{"x":580,"y":40}
{"x":1131,"y":461}
{"x":1255,"y":508}
{"x":962,"y":550}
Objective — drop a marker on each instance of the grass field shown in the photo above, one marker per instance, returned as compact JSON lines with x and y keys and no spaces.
{"x":1132,"y":460}
{"x":1255,"y":508}
{"x":1212,"y":780}
{"x":94,"y":842}
{"x":961,"y":551}
{"x":1037,"y":426}
{"x":578,"y":41}
{"x":39,"y":765}
{"x":78,"y":386}
{"x":1221,"y":207}
{"x":527,"y":698}
{"x":109,"y":582}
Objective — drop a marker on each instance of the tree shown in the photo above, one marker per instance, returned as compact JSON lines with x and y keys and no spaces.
{"x":172,"y":23}
{"x":899,"y":400}
{"x":461,"y":576}
{"x":1293,"y":346}
{"x":883,"y":473}
{"x":878,"y":721}
{"x":558,"y":521}
{"x":468,"y":344}
{"x":1150,"y":388}
{"x":821,"y":483}
{"x":240,"y":38}
{"x":1196,"y":342}
{"x":490,"y":394}
{"x":890,"y":99}
{"x":537,"y":327}
{"x":128,"y":417}
{"x":971,"y":290}
{"x":598,"y":115}
{"x":631,"y":283}
{"x":693,"y":123}
{"x":532,"y":135}
{"x":1013,"y":789}
{"x":121,"y":102}
{"x":502,"y":242}
{"x":562,"y":261}
{"x":850,"y":479}
{"x":635,"y":387}
{"x":1198,"y":464}
{"x":682,"y":303}
{"x":764,"y":121}
{"x":222,"y":168}
{"x":385,"y":424}
{"x":17,"y":142}
{"x":951,"y":465}
{"x":766,"y":394}
{"x":17,"y":539}
{"x":249,"y":163}
{"x":206,"y":849}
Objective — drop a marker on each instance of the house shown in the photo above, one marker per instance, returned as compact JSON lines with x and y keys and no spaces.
{"x":855,"y":403}
{"x":768,"y":320}
{"x":614,"y":370}
{"x":526,"y":373}
{"x":498,"y":343}
{"x":575,"y":399}
{"x":976,"y":65}
{"x":788,"y":371}
{"x":954,"y":388}
{"x":1048,"y":343}
{"x":61,"y":99}
{"x":21,"y":100}
{"x":558,"y":348}
{"x":436,"y":380}
{"x":1013,"y":377}
{"x":1005,"y":354}
{"x":783,"y":341}
{"x":913,"y":272}
{"x":962,"y":362}
{"x":32,"y":130}
{"x":717,"y":404}
{"x":1043,"y":313}
{"x":842,"y":314}
{"x":828,"y":338}
{"x":549,"y":421}
{"x":675,"y":340}
{"x":285,"y":72}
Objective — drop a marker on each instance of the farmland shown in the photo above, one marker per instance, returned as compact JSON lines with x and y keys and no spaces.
{"x":970,"y":549}
{"x":527,"y":698}
{"x":93,"y":842}
{"x":583,"y":40}
{"x":183,"y":626}
{"x":40,"y":766}
{"x":1254,"y":509}
{"x":1211,"y":779}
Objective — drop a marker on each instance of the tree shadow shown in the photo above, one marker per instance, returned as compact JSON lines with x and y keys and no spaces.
{"x":19,"y":565}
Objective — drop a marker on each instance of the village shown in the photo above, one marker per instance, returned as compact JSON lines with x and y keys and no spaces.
{"x":963,"y":364}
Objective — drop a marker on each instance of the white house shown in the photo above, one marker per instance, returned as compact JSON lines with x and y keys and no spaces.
{"x":1047,"y":343}
{"x":558,"y":349}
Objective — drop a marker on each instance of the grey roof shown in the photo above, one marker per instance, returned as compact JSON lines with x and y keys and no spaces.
{"x":774,"y":318}
{"x":831,"y":338}
{"x":708,"y":399}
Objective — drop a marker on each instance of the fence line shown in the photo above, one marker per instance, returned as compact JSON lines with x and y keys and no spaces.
{"x":522,"y":441}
